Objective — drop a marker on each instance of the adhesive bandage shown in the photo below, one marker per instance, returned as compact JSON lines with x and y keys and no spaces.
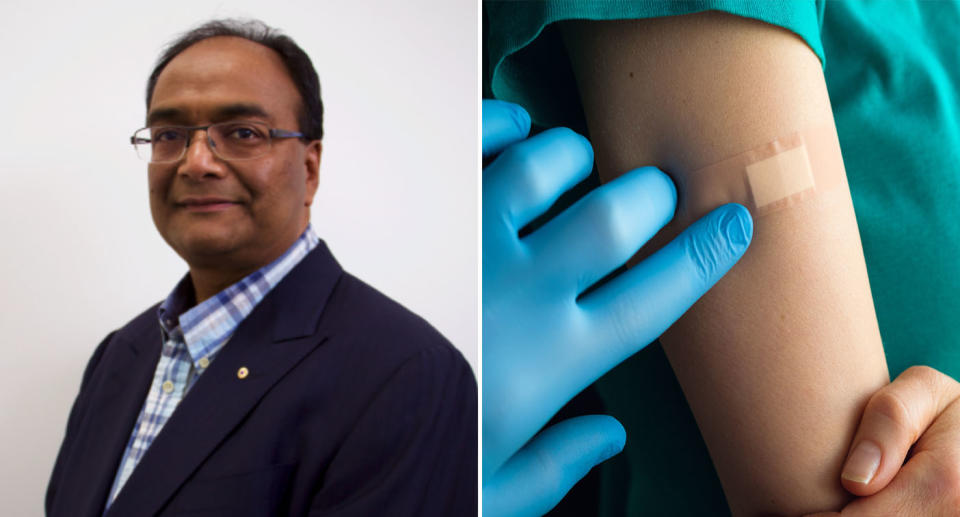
{"x":768,"y":178}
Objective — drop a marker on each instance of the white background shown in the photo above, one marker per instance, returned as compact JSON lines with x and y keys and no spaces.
{"x":80,"y":255}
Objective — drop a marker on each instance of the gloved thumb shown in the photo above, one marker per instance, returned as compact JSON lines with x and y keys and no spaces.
{"x":537,"y":477}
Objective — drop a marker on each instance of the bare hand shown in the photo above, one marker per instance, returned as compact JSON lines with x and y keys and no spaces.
{"x":920,"y":409}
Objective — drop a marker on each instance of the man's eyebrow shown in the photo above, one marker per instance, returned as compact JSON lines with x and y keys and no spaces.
{"x":169,"y":114}
{"x":220,"y":114}
{"x":232,"y":111}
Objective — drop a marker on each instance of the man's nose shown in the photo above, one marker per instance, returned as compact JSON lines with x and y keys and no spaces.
{"x":199,"y":160}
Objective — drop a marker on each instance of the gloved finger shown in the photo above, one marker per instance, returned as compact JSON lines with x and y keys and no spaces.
{"x":634,"y":308}
{"x":537,"y":477}
{"x":530,"y":175}
{"x":894,"y":419}
{"x":604,"y":228}
{"x":504,"y":123}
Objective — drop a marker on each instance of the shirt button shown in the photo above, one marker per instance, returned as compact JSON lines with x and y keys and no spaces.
{"x":167,"y":387}
{"x":203,"y":362}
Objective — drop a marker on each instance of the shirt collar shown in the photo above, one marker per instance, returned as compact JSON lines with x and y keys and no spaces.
{"x":205,"y":327}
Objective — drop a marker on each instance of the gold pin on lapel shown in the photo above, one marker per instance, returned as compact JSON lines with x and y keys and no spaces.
{"x":243,"y":372}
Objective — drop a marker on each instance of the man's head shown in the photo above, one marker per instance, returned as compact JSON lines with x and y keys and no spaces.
{"x":227,"y":213}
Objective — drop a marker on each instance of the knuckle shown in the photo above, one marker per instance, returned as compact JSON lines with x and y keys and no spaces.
{"x":608,"y":220}
{"x":888,"y":403}
{"x":939,"y":386}
{"x":537,"y":168}
{"x":922,"y":374}
{"x":527,"y":176}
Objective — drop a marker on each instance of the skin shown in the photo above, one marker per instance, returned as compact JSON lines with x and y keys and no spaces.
{"x":269,"y":197}
{"x":915,"y":418}
{"x":778,"y":360}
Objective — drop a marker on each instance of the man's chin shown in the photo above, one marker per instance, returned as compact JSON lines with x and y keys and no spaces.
{"x":209,"y":248}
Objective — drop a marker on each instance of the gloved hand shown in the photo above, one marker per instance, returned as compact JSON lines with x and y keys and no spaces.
{"x":542,"y":342}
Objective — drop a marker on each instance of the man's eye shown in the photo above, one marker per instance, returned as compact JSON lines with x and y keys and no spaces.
{"x":244,"y":133}
{"x":166,"y":136}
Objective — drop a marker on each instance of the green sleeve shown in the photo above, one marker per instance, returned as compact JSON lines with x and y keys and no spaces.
{"x":526,"y":62}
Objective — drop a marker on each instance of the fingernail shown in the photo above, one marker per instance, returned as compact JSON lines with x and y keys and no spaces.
{"x":738,"y":227}
{"x":863,"y":463}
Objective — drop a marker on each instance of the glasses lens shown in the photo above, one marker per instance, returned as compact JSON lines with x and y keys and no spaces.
{"x":240,"y":140}
{"x":167,"y":143}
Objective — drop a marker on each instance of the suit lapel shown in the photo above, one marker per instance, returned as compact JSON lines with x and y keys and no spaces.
{"x":112,"y":409}
{"x":280,"y":332}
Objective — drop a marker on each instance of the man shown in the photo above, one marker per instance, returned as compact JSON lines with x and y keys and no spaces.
{"x":269,"y":381}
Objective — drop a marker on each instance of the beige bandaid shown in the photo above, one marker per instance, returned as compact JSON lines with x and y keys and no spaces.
{"x":768,"y":178}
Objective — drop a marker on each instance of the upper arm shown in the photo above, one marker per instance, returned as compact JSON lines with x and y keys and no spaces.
{"x":76,"y":413}
{"x":687,"y":91}
{"x":414,"y":448}
{"x":778,"y":359}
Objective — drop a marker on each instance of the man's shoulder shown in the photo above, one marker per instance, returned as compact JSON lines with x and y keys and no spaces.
{"x":112,"y":344}
{"x":141,"y":322}
{"x":131,"y":333}
{"x":370,"y":319}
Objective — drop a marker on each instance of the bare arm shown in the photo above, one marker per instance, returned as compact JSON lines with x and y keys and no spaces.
{"x":778,"y":360}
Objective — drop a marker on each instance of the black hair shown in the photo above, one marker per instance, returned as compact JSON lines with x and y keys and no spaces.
{"x":296,"y":60}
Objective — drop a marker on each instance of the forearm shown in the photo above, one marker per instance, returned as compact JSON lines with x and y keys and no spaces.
{"x":779,"y":358}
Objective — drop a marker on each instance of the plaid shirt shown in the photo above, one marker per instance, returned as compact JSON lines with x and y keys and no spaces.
{"x":192,"y":339}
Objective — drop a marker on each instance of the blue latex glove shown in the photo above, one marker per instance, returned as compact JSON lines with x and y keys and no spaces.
{"x":541,"y":343}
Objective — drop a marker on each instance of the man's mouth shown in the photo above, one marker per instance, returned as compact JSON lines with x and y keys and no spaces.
{"x":206,"y":204}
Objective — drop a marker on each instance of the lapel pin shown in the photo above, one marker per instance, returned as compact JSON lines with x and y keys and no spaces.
{"x":243,"y":372}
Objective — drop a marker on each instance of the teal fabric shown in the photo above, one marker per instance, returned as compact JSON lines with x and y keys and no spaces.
{"x":522,"y":46}
{"x":893,"y":83}
{"x":893,"y":73}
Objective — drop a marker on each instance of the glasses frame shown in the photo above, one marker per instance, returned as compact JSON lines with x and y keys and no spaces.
{"x":190,"y":130}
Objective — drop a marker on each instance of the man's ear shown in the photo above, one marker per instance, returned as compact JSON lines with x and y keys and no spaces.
{"x":312,"y":165}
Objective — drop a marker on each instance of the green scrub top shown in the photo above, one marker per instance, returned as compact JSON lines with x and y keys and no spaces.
{"x":893,"y":73}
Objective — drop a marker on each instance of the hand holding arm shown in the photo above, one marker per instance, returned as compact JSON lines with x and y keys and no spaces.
{"x":919,"y":409}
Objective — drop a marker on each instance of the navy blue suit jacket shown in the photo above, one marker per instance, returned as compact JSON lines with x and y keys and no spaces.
{"x":352,"y":406}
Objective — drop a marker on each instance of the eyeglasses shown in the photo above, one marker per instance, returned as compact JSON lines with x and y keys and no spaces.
{"x":236,"y":140}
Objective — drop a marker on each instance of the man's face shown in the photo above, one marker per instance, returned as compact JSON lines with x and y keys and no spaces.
{"x":232,"y":215}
